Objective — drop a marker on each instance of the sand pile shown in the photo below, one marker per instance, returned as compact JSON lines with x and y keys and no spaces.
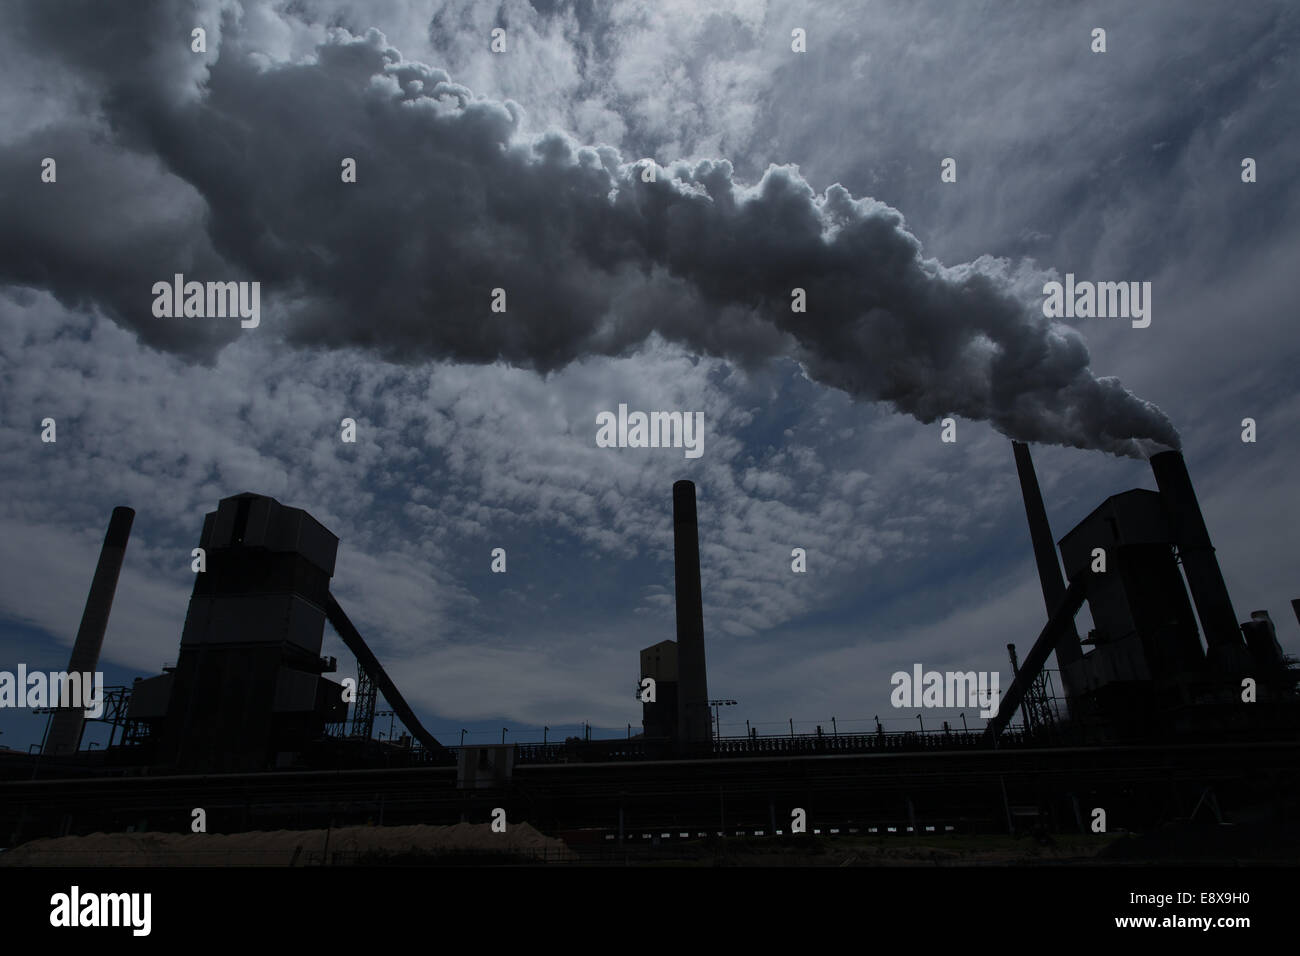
{"x":464,"y":842}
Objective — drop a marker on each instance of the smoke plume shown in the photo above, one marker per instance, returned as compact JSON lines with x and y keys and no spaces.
{"x":452,"y":202}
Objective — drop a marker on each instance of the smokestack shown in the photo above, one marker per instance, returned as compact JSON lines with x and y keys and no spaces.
{"x":1227,"y":649}
{"x":1068,"y":650}
{"x":693,"y":723}
{"x":66,"y":723}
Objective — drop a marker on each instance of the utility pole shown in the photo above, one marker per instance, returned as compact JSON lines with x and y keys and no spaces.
{"x":717,"y":706}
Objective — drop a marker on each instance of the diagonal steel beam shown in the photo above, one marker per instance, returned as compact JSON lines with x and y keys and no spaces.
{"x":366,"y":658}
{"x":1062,"y":618}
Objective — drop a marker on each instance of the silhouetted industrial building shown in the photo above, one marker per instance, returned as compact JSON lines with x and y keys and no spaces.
{"x":1261,"y":642}
{"x":247,"y":691}
{"x":659,"y":716}
{"x":1146,"y":672}
{"x":1143,"y":623}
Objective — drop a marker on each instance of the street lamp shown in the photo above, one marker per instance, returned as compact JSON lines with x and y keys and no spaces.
{"x":503,"y":734}
{"x":921,"y":722}
{"x":963,"y":722}
{"x":463,"y":732}
{"x":544,"y":732}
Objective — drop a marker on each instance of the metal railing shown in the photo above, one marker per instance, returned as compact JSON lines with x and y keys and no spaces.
{"x":591,"y":751}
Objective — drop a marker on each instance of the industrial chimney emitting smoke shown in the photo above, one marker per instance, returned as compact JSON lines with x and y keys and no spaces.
{"x":1227,"y":648}
{"x":693,"y":722}
{"x":66,"y":723}
{"x":1068,"y":650}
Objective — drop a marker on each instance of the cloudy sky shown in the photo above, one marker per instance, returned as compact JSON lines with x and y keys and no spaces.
{"x":526,"y":170}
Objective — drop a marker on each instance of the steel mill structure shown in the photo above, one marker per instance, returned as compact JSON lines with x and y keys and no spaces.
{"x":1153,"y":725}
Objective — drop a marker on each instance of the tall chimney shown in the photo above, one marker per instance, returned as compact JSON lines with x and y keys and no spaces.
{"x":1227,"y":648}
{"x":66,"y":723}
{"x":693,"y":723}
{"x":1068,"y":650}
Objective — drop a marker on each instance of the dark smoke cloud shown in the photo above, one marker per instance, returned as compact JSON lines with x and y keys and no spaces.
{"x":453,"y":202}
